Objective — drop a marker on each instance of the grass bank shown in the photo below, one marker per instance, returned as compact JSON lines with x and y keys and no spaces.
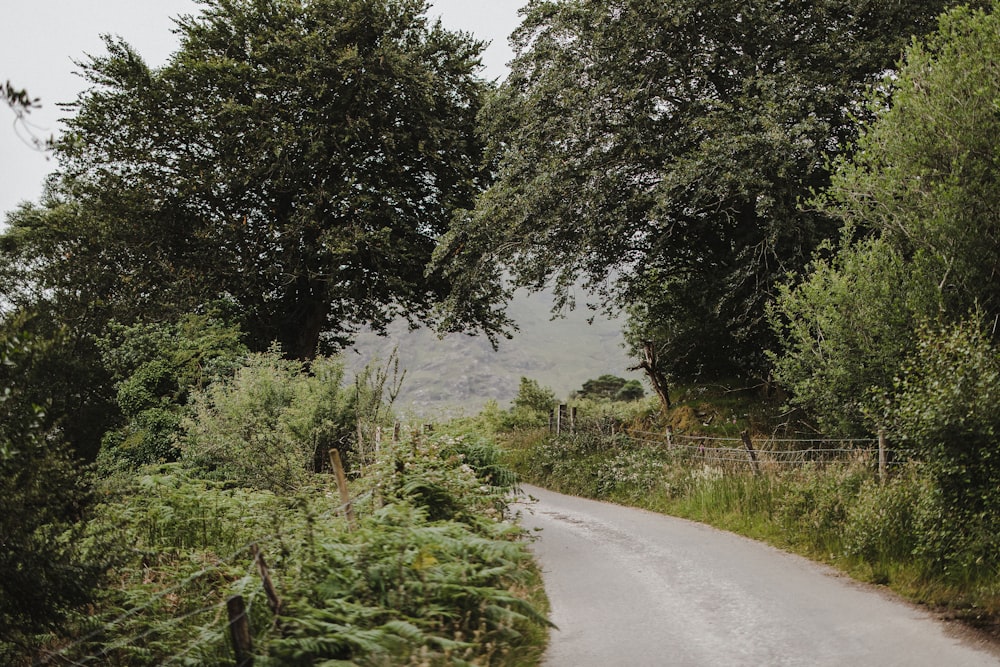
{"x":887,"y":533}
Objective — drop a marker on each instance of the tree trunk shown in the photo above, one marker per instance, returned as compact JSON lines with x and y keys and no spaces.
{"x":656,"y":376}
{"x":302,"y":325}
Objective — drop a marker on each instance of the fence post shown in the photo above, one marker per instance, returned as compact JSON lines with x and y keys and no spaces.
{"x":745,"y":436}
{"x":345,"y":496}
{"x":561,"y":419}
{"x":572,"y":419}
{"x":670,"y":437}
{"x":239,"y":629}
{"x":273,"y":601}
{"x":882,"y":457}
{"x":396,"y":428}
{"x":378,"y":441}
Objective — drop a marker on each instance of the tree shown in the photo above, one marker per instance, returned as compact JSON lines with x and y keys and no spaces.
{"x":925,"y":177}
{"x":845,"y":330}
{"x":920,"y":201}
{"x":946,"y":411}
{"x":660,"y":150}
{"x":46,"y":567}
{"x":297,"y":158}
{"x":630,"y":391}
{"x":605,"y":387}
{"x":532,"y":396}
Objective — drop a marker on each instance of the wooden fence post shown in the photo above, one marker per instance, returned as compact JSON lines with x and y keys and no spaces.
{"x":572,"y":419}
{"x":670,"y":437}
{"x":745,"y":436}
{"x":345,"y":496}
{"x":273,"y":601}
{"x":396,"y":428}
{"x":882,"y":457}
{"x":239,"y":629}
{"x":560,"y":419}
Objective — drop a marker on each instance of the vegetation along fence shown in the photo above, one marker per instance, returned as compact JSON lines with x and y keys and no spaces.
{"x":232,"y":615}
{"x":742,"y":451}
{"x":770,"y":453}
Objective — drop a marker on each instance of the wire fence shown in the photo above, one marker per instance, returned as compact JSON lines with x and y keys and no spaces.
{"x":212,"y":635}
{"x":765,"y":453}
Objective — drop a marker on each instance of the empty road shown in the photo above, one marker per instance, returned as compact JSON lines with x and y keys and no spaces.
{"x":630,"y":587}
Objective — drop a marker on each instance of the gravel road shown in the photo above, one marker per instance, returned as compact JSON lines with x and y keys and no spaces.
{"x":630,"y":587}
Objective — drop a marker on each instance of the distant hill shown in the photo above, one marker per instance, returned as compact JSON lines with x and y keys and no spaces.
{"x":460,"y":373}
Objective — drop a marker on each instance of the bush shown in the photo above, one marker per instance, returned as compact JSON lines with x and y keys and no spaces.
{"x":881,"y":525}
{"x":947,"y":410}
{"x":156,"y":366}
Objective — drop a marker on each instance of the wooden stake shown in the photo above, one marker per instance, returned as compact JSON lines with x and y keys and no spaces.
{"x":670,"y":436}
{"x":273,"y":601}
{"x":239,"y":629}
{"x":745,"y":436}
{"x":345,"y":496}
{"x":396,"y":428}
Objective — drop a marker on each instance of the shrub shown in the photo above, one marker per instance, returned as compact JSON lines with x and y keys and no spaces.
{"x":156,"y":366}
{"x":947,"y":410}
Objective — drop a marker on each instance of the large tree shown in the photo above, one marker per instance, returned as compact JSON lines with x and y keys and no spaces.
{"x":659,"y":150}
{"x":297,"y":158}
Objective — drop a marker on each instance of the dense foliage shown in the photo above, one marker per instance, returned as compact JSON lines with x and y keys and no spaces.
{"x":156,"y":367}
{"x":947,"y":408}
{"x":921,"y":193}
{"x":47,"y":570}
{"x":297,"y":158}
{"x":435,"y":572}
{"x":660,"y":150}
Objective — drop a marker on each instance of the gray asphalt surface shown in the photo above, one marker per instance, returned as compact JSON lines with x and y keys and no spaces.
{"x":630,"y":587}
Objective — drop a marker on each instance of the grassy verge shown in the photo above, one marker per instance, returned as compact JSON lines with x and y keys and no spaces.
{"x":837,"y":513}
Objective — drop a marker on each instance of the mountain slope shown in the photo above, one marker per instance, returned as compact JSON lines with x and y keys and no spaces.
{"x":463,"y":372}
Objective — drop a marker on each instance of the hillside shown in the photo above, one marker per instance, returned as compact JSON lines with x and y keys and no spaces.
{"x":461,"y":372}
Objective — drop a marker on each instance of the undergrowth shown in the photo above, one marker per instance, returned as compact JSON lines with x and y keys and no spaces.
{"x":436,"y":572}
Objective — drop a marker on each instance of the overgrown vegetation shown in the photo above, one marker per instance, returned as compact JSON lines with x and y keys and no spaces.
{"x":435,"y":572}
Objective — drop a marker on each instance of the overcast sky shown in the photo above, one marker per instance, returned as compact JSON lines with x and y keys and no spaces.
{"x":42,"y":38}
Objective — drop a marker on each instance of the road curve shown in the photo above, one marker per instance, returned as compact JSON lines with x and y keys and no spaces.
{"x":631,"y":587}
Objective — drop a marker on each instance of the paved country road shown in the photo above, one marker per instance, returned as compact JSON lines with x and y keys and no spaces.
{"x":634,"y":588}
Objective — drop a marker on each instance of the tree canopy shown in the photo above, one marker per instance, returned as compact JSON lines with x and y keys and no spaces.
{"x":298,"y":159}
{"x":660,"y":150}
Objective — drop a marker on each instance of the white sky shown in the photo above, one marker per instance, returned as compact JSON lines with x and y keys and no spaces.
{"x":42,"y":38}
